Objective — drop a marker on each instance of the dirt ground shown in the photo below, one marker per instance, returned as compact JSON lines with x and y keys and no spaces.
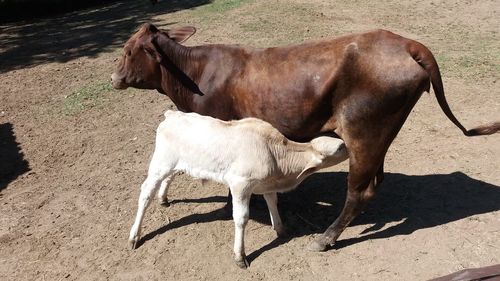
{"x":73,"y":153}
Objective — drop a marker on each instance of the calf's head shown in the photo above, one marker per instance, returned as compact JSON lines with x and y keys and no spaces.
{"x":329,"y":152}
{"x":140,"y":65}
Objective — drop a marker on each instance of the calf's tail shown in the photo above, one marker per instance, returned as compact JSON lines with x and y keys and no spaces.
{"x":424,"y":57}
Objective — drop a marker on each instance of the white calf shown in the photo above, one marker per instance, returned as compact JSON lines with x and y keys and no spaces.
{"x":248,"y":155}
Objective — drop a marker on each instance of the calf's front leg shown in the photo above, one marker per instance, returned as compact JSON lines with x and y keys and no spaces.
{"x":162,"y":192}
{"x":148,"y":188}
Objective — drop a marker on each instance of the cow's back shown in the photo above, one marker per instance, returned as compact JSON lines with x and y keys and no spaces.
{"x":301,"y":89}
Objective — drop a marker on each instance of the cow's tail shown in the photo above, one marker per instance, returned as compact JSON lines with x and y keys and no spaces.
{"x":424,"y":57}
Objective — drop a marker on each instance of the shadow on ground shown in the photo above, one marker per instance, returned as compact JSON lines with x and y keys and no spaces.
{"x":12,"y":163}
{"x":412,"y":202}
{"x":83,"y":33}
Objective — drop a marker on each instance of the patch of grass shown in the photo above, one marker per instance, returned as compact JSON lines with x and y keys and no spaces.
{"x":295,"y":24}
{"x":220,"y":6}
{"x":88,"y":96}
{"x":469,"y":67}
{"x":462,"y":50}
{"x":444,"y":62}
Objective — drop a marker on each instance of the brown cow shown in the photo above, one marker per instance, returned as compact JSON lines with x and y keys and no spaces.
{"x":359,"y":87}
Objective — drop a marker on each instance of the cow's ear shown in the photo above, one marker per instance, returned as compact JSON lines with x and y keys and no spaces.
{"x":150,"y":27}
{"x":181,"y":34}
{"x":156,"y":45}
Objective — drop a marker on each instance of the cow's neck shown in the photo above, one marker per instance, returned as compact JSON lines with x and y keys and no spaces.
{"x":180,"y":74}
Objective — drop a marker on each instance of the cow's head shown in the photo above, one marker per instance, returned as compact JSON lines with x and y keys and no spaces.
{"x":140,"y":65}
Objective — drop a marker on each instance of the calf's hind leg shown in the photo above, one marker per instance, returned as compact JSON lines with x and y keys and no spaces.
{"x":241,"y":201}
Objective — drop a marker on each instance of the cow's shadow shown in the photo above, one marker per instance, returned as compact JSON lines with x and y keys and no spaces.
{"x":415,"y":201}
{"x":81,"y":33}
{"x":12,"y":162}
{"x":411,"y":202}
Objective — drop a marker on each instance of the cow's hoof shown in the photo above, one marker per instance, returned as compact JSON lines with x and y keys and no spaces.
{"x":317,"y":245}
{"x":242,"y":262}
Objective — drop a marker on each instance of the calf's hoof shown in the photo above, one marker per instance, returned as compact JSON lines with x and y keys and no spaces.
{"x":318,"y":245}
{"x":132,"y":244}
{"x":242,"y":262}
{"x":164,"y":203}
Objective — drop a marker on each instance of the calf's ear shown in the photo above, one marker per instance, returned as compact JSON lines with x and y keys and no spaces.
{"x":181,"y":34}
{"x":311,"y":167}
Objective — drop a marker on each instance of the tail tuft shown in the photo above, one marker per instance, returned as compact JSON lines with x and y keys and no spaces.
{"x":489,"y":129}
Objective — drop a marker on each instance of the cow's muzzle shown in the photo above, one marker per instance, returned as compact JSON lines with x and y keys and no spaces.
{"x":117,"y":82}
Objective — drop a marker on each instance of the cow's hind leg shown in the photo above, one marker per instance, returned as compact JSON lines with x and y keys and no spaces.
{"x":368,"y":123}
{"x":363,"y":180}
{"x":367,"y":149}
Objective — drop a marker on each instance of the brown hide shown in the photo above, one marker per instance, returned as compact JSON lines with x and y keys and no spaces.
{"x":360,"y":87}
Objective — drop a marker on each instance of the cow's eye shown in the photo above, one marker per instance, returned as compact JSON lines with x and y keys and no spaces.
{"x":149,"y":52}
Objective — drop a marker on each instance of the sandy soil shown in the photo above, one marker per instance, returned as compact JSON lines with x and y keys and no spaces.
{"x":73,"y":153}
